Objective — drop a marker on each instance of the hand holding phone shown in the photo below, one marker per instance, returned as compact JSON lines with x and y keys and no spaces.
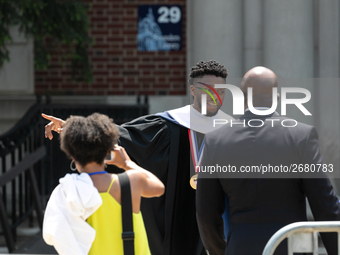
{"x":109,"y":156}
{"x":118,"y":157}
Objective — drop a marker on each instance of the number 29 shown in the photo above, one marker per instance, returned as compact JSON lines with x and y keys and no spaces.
{"x":167,"y":15}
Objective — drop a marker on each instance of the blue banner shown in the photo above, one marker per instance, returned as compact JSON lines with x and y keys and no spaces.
{"x":159,"y":28}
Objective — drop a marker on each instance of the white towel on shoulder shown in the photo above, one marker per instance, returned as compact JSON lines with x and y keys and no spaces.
{"x":70,"y":204}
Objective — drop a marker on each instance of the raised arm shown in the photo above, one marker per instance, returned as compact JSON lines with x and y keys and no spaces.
{"x":150,"y":185}
{"x":56,"y":125}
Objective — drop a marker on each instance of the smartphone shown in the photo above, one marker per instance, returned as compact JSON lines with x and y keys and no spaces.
{"x":111,"y":154}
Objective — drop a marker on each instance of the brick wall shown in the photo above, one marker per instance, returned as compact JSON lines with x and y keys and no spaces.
{"x":118,"y":67}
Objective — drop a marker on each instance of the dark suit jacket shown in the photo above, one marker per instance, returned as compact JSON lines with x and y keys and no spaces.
{"x":258,"y":207}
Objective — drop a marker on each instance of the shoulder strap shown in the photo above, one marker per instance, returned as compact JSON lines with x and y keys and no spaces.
{"x":113,"y":179}
{"x":128,"y":235}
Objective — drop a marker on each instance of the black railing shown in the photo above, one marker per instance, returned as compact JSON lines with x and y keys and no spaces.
{"x":31,"y":165}
{"x":21,"y":152}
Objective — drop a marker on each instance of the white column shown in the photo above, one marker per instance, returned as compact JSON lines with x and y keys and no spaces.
{"x":288,"y":46}
{"x":215,"y":32}
{"x":16,"y":81}
{"x":329,"y":38}
{"x":17,"y":76}
{"x":288,"y":37}
{"x":329,"y":84}
{"x":253,"y":34}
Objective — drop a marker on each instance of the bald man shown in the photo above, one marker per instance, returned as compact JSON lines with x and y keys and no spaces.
{"x":259,"y":206}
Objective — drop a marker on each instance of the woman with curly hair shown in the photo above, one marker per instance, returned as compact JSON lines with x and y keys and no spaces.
{"x":83,"y":215}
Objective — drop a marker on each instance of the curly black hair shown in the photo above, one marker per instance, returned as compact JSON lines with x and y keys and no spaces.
{"x":211,"y":67}
{"x":88,"y":139}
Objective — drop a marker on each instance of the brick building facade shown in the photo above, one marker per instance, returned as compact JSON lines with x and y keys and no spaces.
{"x":118,"y":67}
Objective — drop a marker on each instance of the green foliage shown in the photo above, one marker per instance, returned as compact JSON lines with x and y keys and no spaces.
{"x":59,"y":20}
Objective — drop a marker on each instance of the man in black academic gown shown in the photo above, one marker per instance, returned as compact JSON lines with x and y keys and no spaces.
{"x":160,"y":143}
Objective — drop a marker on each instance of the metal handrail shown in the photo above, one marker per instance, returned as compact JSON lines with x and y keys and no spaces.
{"x":301,"y":227}
{"x":18,"y":148}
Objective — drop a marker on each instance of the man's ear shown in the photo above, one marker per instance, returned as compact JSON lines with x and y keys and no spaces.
{"x":245,"y":98}
{"x":192,"y":90}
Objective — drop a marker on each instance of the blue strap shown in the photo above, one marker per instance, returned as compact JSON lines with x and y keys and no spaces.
{"x":100,"y":172}
{"x":225,"y":217}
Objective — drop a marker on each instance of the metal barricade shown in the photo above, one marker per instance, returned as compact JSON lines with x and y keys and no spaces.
{"x":302,"y":236}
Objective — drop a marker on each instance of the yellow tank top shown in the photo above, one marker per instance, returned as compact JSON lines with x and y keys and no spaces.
{"x":107,"y":221}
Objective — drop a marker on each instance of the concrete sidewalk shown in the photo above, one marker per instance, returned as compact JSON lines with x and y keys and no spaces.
{"x":29,"y":244}
{"x":36,"y":245}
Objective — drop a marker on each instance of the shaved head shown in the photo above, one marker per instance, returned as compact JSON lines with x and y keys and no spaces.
{"x":262,"y":80}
